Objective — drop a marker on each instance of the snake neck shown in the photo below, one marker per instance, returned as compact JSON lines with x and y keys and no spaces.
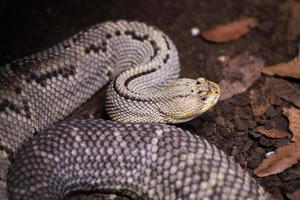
{"x":138,"y":86}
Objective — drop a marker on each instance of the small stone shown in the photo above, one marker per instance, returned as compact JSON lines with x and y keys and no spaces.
{"x":195,"y":31}
{"x":222,"y":59}
{"x":268,"y":154}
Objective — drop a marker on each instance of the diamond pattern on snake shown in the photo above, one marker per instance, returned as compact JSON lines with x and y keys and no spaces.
{"x":136,"y":154}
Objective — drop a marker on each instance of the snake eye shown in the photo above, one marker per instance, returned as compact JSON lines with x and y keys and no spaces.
{"x":203,"y":98}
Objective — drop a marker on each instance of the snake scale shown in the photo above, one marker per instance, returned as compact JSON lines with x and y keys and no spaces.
{"x":136,"y":155}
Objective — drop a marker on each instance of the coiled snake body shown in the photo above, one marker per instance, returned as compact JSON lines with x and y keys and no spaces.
{"x":137,"y":156}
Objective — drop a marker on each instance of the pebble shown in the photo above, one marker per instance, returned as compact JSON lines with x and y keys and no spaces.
{"x":195,"y":31}
{"x":268,"y":154}
{"x":222,"y":59}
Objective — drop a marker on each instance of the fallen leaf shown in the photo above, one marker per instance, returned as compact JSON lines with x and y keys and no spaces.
{"x":284,"y":89}
{"x":283,"y":158}
{"x":239,"y":74}
{"x":259,"y":101}
{"x":293,"y":115}
{"x":287,"y":155}
{"x":287,"y":69}
{"x":230,"y":31}
{"x":272,"y":133}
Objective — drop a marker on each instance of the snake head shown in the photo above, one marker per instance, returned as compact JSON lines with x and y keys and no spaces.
{"x":189,"y":99}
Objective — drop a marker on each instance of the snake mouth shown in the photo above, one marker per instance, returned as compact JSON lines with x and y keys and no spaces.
{"x":196,"y":104}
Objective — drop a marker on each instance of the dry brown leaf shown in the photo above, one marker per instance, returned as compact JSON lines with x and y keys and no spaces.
{"x":287,"y":69}
{"x":284,"y":89}
{"x":259,"y":101}
{"x":239,"y":74}
{"x":272,"y":133}
{"x":283,"y":158}
{"x":230,"y":31}
{"x":293,"y":114}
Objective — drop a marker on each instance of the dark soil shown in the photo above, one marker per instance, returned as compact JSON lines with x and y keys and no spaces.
{"x":32,"y":25}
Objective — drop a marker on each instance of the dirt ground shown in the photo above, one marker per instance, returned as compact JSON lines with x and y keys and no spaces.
{"x":32,"y":25}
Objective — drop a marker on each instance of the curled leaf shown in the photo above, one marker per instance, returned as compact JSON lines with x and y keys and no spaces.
{"x":288,"y":69}
{"x":239,"y":74}
{"x":284,"y":89}
{"x":293,"y":114}
{"x":230,"y":31}
{"x":259,"y":101}
{"x":283,"y":158}
{"x":272,"y":133}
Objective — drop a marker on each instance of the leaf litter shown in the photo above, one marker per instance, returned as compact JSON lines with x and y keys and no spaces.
{"x":287,"y":155}
{"x":239,"y":74}
{"x":230,"y":31}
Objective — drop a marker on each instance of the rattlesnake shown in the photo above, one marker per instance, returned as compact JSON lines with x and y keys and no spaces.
{"x":138,"y":156}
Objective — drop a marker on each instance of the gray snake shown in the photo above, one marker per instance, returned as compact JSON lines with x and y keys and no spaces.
{"x":137,"y":156}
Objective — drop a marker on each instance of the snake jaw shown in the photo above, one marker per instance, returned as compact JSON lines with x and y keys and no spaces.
{"x":202,"y":96}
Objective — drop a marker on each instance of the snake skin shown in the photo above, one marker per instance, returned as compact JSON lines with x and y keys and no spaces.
{"x":144,"y":161}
